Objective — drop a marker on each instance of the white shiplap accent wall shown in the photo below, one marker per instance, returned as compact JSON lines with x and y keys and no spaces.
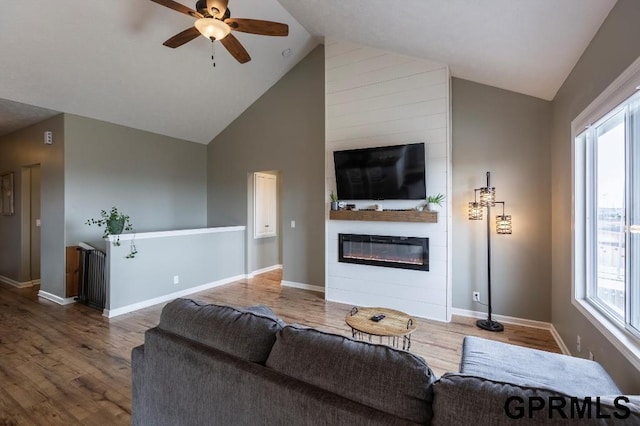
{"x":376,"y":98}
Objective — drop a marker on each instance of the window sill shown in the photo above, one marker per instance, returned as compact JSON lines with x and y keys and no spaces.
{"x":627,"y":344}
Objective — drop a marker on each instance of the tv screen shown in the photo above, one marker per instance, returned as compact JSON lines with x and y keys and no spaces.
{"x":381,"y":173}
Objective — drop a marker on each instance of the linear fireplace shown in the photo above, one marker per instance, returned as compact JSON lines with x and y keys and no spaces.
{"x":380,"y":250}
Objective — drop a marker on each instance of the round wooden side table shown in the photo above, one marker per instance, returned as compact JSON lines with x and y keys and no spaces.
{"x":396,"y":326}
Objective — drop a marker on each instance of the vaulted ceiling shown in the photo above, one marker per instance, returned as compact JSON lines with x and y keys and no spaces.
{"x":105,"y":59}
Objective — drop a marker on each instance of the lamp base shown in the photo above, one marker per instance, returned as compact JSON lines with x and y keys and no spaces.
{"x":490,"y":325}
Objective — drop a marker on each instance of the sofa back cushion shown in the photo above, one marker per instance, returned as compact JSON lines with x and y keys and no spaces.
{"x":245,"y":333}
{"x":181,"y":382}
{"x":381,"y":377}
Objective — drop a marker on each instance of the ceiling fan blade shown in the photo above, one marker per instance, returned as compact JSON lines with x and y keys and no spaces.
{"x":235,"y":48}
{"x":178,"y":7}
{"x":256,"y":26}
{"x":182,"y":37}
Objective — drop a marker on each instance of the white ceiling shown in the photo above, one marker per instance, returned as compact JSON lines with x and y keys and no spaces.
{"x":105,"y":59}
{"x":15,"y":115}
{"x":527,"y":46}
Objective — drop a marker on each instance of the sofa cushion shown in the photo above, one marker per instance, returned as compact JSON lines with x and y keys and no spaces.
{"x":534,"y":368}
{"x":185,"y":383}
{"x":246,"y":333}
{"x":466,"y":399}
{"x":381,"y":377}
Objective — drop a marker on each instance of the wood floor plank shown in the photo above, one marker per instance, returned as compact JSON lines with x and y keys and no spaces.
{"x":70,"y":365}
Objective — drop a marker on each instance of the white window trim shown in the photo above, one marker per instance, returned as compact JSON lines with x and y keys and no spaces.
{"x":617,"y":92}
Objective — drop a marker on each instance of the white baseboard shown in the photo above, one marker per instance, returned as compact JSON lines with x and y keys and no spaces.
{"x":263,"y":270}
{"x":18,"y":284}
{"x":502,"y":318}
{"x":110,"y":313}
{"x":302,"y":286}
{"x":57,"y":299}
{"x":517,"y":321}
{"x":565,"y":350}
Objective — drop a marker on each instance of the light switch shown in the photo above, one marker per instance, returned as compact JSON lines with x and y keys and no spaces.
{"x":37,"y":223}
{"x":293,"y":223}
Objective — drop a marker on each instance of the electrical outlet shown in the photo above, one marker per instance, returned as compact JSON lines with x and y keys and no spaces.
{"x":176,"y":279}
{"x":476,"y":296}
{"x":578,"y":343}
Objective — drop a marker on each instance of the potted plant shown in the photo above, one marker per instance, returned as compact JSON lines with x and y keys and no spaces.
{"x":434,"y":202}
{"x":115,"y":223}
{"x":334,"y":200}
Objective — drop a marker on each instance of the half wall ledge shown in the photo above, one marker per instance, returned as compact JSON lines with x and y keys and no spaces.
{"x":174,"y":233}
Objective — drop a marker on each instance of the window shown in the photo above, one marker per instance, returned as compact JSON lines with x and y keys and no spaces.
{"x":609,"y":145}
{"x":607,"y":210}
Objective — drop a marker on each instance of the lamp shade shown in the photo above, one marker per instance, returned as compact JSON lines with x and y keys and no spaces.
{"x":488,"y":196}
{"x":503,"y":224}
{"x":475,"y":211}
{"x":212,"y":28}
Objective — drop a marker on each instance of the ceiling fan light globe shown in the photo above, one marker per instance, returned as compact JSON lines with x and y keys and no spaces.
{"x":212,"y":28}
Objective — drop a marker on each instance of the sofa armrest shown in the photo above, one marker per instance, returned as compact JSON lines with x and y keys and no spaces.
{"x":503,"y":362}
{"x":137,"y":386}
{"x":466,"y":399}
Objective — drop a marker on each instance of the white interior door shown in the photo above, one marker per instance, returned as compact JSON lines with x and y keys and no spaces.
{"x":265,"y":205}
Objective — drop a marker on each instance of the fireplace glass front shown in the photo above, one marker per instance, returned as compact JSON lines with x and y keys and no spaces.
{"x":380,"y":250}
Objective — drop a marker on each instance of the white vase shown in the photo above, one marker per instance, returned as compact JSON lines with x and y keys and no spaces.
{"x":433,"y":207}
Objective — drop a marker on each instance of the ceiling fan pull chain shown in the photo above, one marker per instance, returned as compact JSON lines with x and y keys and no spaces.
{"x":213,"y":52}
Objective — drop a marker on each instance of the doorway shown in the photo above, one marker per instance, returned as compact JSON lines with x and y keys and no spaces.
{"x":30,"y":222}
{"x":264,"y":223}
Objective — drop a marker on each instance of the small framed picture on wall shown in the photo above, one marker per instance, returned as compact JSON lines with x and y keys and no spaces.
{"x":6,"y":203}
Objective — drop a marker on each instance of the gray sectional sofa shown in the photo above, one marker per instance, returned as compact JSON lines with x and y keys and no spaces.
{"x":218,"y":365}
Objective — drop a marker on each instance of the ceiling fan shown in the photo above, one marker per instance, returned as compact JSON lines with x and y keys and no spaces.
{"x":213,"y":21}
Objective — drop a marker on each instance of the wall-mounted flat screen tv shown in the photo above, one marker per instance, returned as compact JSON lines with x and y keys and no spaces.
{"x":381,"y":173}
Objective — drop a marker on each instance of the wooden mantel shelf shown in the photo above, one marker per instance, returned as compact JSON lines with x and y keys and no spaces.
{"x":385,"y":216}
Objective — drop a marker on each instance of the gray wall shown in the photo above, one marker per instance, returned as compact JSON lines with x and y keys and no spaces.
{"x":24,"y":148}
{"x":197,"y":259}
{"x":284,"y":131}
{"x":160,"y":182}
{"x":93,"y":165}
{"x":611,"y":51}
{"x":507,"y":134}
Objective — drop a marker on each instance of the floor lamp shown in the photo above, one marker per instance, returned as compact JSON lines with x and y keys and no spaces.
{"x":487,"y":195}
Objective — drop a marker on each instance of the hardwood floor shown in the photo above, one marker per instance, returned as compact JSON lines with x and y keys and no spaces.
{"x":70,"y":365}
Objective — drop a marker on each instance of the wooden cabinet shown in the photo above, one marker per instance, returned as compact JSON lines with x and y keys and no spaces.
{"x":72,"y":271}
{"x":265,"y":205}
